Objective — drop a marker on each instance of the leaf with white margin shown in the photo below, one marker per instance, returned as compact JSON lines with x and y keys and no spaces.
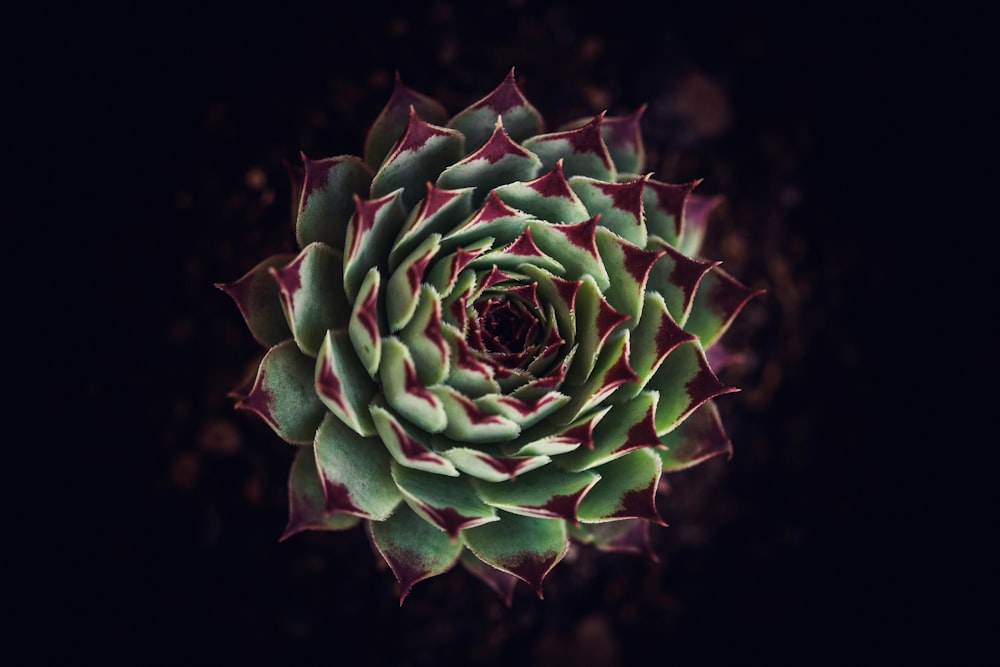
{"x":595,"y":321}
{"x":618,"y":204}
{"x":490,"y":464}
{"x":582,"y":150}
{"x":366,"y":326}
{"x":437,"y":213}
{"x":404,"y":391}
{"x":343,"y":384}
{"x":547,"y":197}
{"x":312,"y":295}
{"x":526,"y":413}
{"x":719,"y":298}
{"x":469,"y":422}
{"x":627,"y":489}
{"x":546,"y":492}
{"x":676,"y":277}
{"x":354,"y":472}
{"x":574,"y":246}
{"x":684,"y":381}
{"x":519,"y":116}
{"x":406,"y":445}
{"x":654,"y":337}
{"x":403,"y":287}
{"x":628,"y":266}
{"x":284,"y":394}
{"x":370,"y":232}
{"x":422,"y":337}
{"x":394,"y":118}
{"x":449,"y":503}
{"x":306,"y":503}
{"x":326,"y":199}
{"x":526,"y":547}
{"x":626,"y":428}
{"x":468,"y":374}
{"x":414,"y":549}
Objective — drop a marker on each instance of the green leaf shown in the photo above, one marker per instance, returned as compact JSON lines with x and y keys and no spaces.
{"x":354,"y":472}
{"x":404,"y":391}
{"x":284,"y":394}
{"x":394,"y":118}
{"x":438,"y":213}
{"x":420,"y":155}
{"x":414,"y":549}
{"x":403,"y":287}
{"x":545,"y":492}
{"x":626,"y":428}
{"x":719,"y":298}
{"x":547,"y":197}
{"x":306,"y":503}
{"x":595,"y":320}
{"x":507,"y":101}
{"x":366,"y":326}
{"x":469,"y":421}
{"x":684,"y":381}
{"x":256,"y":295}
{"x":676,"y":277}
{"x":449,"y":503}
{"x":582,"y":150}
{"x":574,"y":246}
{"x":422,"y":336}
{"x":619,"y":205}
{"x":370,"y":232}
{"x":312,"y":295}
{"x":327,"y":198}
{"x":490,"y":464}
{"x":407,"y":445}
{"x":526,"y":547}
{"x":343,"y":384}
{"x":626,"y":490}
{"x":663,"y":206}
{"x":501,"y":582}
{"x":628,"y":266}
{"x":653,"y":338}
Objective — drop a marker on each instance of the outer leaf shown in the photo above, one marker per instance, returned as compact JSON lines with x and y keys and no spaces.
{"x":575,"y":247}
{"x":420,"y":155}
{"x":628,"y":535}
{"x":392,"y":122}
{"x":628,"y":266}
{"x":326,"y":199}
{"x":507,"y":101}
{"x":372,"y":229}
{"x":414,"y":549}
{"x":626,"y":490}
{"x":306,"y":503}
{"x":312,"y":295}
{"x":526,"y":547}
{"x":654,"y":337}
{"x":496,"y":162}
{"x":719,"y":299}
{"x":582,"y":150}
{"x":343,"y":384}
{"x":619,"y":205}
{"x":695,"y":222}
{"x":501,"y":582}
{"x":663,"y":205}
{"x":449,"y":503}
{"x":676,"y":277}
{"x":627,"y":427}
{"x":699,"y":438}
{"x":284,"y":396}
{"x":354,"y":472}
{"x":256,"y":295}
{"x":684,"y":381}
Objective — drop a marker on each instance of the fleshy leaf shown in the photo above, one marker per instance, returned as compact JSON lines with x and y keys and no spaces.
{"x":494,"y":219}
{"x":365,"y":326}
{"x":445,"y":272}
{"x":406,"y":445}
{"x":420,"y":155}
{"x":719,"y":298}
{"x":627,"y":535}
{"x":495,"y":163}
{"x":520,"y":118}
{"x":414,"y":549}
{"x":623,"y":137}
{"x":469,"y":374}
{"x":619,"y":205}
{"x":582,"y":150}
{"x":526,"y":547}
{"x":490,"y":465}
{"x":663,"y":206}
{"x":626,"y":490}
{"x":468,"y":421}
{"x":306,"y":503}
{"x":256,"y":295}
{"x":312,"y":295}
{"x":371,"y":230}
{"x":343,"y":384}
{"x":404,"y":391}
{"x":519,"y":251}
{"x":284,"y":396}
{"x":626,"y":428}
{"x":676,"y":277}
{"x":684,"y":381}
{"x":628,"y":266}
{"x":450,"y":503}
{"x":326,"y":199}
{"x":501,"y":582}
{"x":575,"y":247}
{"x":595,"y":320}
{"x":653,"y":338}
{"x":354,"y":472}
{"x":547,"y":197}
{"x":395,"y":116}
{"x":526,"y":413}
{"x":545,"y":492}
{"x":610,"y":371}
{"x":403,"y":287}
{"x":422,"y":336}
{"x":438,"y":213}
{"x":700,"y":437}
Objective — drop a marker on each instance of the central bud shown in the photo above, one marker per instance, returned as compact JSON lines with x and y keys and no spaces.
{"x":505,"y":328}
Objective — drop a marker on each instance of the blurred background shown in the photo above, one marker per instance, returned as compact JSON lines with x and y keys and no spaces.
{"x":783,"y":553}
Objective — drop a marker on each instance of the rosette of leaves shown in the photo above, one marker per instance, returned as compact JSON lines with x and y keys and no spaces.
{"x":494,"y":339}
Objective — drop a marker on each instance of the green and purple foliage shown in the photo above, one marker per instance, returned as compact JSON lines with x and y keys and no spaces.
{"x":493,"y":340}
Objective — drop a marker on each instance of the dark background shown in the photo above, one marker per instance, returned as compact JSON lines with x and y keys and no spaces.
{"x":800,"y":549}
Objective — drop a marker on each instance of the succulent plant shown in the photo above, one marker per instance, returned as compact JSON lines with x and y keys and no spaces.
{"x":494,"y":339}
